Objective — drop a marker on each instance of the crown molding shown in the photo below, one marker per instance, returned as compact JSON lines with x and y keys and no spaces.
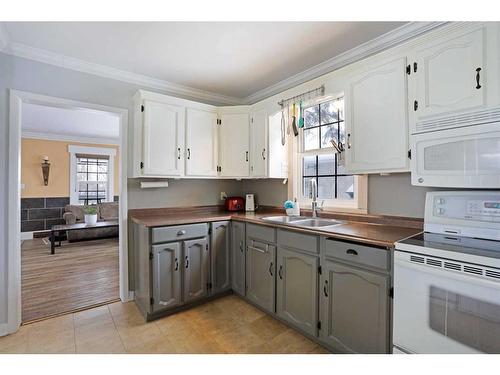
{"x":52,"y":58}
{"x":70,"y":138}
{"x":379,"y":44}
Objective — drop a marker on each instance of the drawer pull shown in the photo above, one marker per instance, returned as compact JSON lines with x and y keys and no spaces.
{"x":271,"y":269}
{"x":181,"y":232}
{"x":351,"y":252}
{"x":325,"y":288}
{"x":176,"y":264}
{"x":280,"y":272}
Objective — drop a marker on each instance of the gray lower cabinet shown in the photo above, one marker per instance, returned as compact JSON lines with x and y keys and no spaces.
{"x":297,"y":289}
{"x":220,"y":257}
{"x":166,"y":276}
{"x":260,"y":274}
{"x":238,"y":257}
{"x":354,"y":308}
{"x":196,"y":269}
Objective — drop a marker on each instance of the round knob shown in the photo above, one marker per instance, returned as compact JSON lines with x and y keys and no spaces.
{"x":420,"y":180}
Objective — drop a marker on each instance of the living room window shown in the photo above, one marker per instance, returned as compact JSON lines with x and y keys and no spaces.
{"x":91,"y":174}
{"x":324,"y":122}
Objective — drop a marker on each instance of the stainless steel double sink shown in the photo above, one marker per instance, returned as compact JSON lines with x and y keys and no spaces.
{"x":303,"y":221}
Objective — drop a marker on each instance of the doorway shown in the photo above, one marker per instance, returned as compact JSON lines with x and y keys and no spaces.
{"x":90,"y":267}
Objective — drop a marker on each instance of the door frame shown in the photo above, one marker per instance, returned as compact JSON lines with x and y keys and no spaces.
{"x":16,"y":100}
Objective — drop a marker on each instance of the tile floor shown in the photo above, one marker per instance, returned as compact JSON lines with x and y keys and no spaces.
{"x":225,"y":325}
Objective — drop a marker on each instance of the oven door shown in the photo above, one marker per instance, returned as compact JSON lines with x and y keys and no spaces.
{"x":467,"y":157}
{"x":439,"y":310}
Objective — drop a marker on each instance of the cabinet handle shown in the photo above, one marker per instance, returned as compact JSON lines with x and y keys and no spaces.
{"x":187,"y":262}
{"x":325,"y":288}
{"x":181,"y":232}
{"x":349,"y":141}
{"x":246,"y":155}
{"x":351,"y":252}
{"x":271,"y":269}
{"x":280,"y":272}
{"x":176,"y":264}
{"x":189,"y":153}
{"x":241,"y":246}
{"x":179,"y":153}
{"x":264,"y":154}
{"x":478,"y":78}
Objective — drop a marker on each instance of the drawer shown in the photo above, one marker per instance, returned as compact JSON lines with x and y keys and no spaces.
{"x":261,"y":232}
{"x":299,"y":241}
{"x":360,"y":254}
{"x":178,"y":232}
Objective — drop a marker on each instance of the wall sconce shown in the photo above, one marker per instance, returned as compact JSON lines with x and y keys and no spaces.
{"x":45,"y":170}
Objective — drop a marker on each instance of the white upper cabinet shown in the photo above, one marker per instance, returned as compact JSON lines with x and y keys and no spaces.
{"x":163,"y":139}
{"x":201,"y":143}
{"x":234,"y":145}
{"x":258,"y":144}
{"x":454,"y":77}
{"x":376,"y":119}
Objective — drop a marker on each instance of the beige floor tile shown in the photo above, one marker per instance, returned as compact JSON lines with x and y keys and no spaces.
{"x":55,"y":335}
{"x":16,"y":342}
{"x":97,"y":315}
{"x":240,"y":340}
{"x":267,"y":327}
{"x":158,"y":345}
{"x":291,"y":342}
{"x":319,"y":350}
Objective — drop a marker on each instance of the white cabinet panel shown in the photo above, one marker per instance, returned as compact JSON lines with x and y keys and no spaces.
{"x":278,"y":153}
{"x":258,"y":144}
{"x":234,"y":153}
{"x":377,"y":121}
{"x":201,"y":143}
{"x":163,"y":139}
{"x":449,"y":75}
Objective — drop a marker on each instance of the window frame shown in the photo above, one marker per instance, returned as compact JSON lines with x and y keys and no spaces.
{"x":356,"y":205}
{"x":108,"y":152}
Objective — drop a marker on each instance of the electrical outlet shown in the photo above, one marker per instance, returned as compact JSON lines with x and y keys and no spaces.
{"x":223,"y":195}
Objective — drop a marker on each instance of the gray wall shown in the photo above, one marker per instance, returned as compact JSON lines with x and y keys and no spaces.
{"x":391,"y":195}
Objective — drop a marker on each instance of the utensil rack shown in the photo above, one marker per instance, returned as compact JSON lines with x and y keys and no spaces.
{"x":319,"y":91}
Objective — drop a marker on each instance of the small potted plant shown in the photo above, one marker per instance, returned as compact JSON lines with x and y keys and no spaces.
{"x":90,"y":214}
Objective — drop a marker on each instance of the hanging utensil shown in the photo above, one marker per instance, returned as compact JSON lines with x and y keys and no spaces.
{"x":283,"y":138}
{"x":294,"y":121}
{"x":301,"y":115}
{"x":289,"y":120}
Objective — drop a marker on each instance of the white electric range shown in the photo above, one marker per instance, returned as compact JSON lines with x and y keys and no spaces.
{"x":447,"y":279}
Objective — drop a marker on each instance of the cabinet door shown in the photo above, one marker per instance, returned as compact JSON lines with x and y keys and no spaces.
{"x":445,"y":76}
{"x":354,"y":309}
{"x":260,"y":275}
{"x":297,"y":289}
{"x":258,"y":144}
{"x":201,"y":143}
{"x":220,"y":258}
{"x":377,"y":121}
{"x":166,"y":276}
{"x":234,"y":152}
{"x":163,"y":137}
{"x":196,"y":268}
{"x":238,"y":257}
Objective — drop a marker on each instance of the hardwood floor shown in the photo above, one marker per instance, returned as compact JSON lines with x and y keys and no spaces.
{"x":79,"y":275}
{"x":225,"y":325}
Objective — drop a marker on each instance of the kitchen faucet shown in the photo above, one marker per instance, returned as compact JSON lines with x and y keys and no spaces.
{"x":313,"y":195}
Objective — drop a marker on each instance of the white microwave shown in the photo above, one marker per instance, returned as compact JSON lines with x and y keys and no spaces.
{"x":467,"y":157}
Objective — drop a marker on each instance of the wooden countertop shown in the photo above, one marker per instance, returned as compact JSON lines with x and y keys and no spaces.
{"x":381,"y":231}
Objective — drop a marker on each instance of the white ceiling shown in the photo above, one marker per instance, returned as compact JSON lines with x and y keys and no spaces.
{"x":235,"y":59}
{"x":53,"y":122}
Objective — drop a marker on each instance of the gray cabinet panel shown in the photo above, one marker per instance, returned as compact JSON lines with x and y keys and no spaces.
{"x":260,"y":274}
{"x":166,"y":276}
{"x":297,"y":289}
{"x":238,"y":257}
{"x":261,"y":233}
{"x":195,"y":268}
{"x":178,"y":232}
{"x":300,"y":241}
{"x":220,"y":256}
{"x":367,"y":256}
{"x":354,"y":309}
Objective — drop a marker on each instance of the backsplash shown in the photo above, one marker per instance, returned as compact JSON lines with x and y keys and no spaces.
{"x":38,"y":214}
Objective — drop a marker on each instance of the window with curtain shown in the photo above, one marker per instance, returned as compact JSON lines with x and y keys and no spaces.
{"x":323,"y":123}
{"x":92,"y":177}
